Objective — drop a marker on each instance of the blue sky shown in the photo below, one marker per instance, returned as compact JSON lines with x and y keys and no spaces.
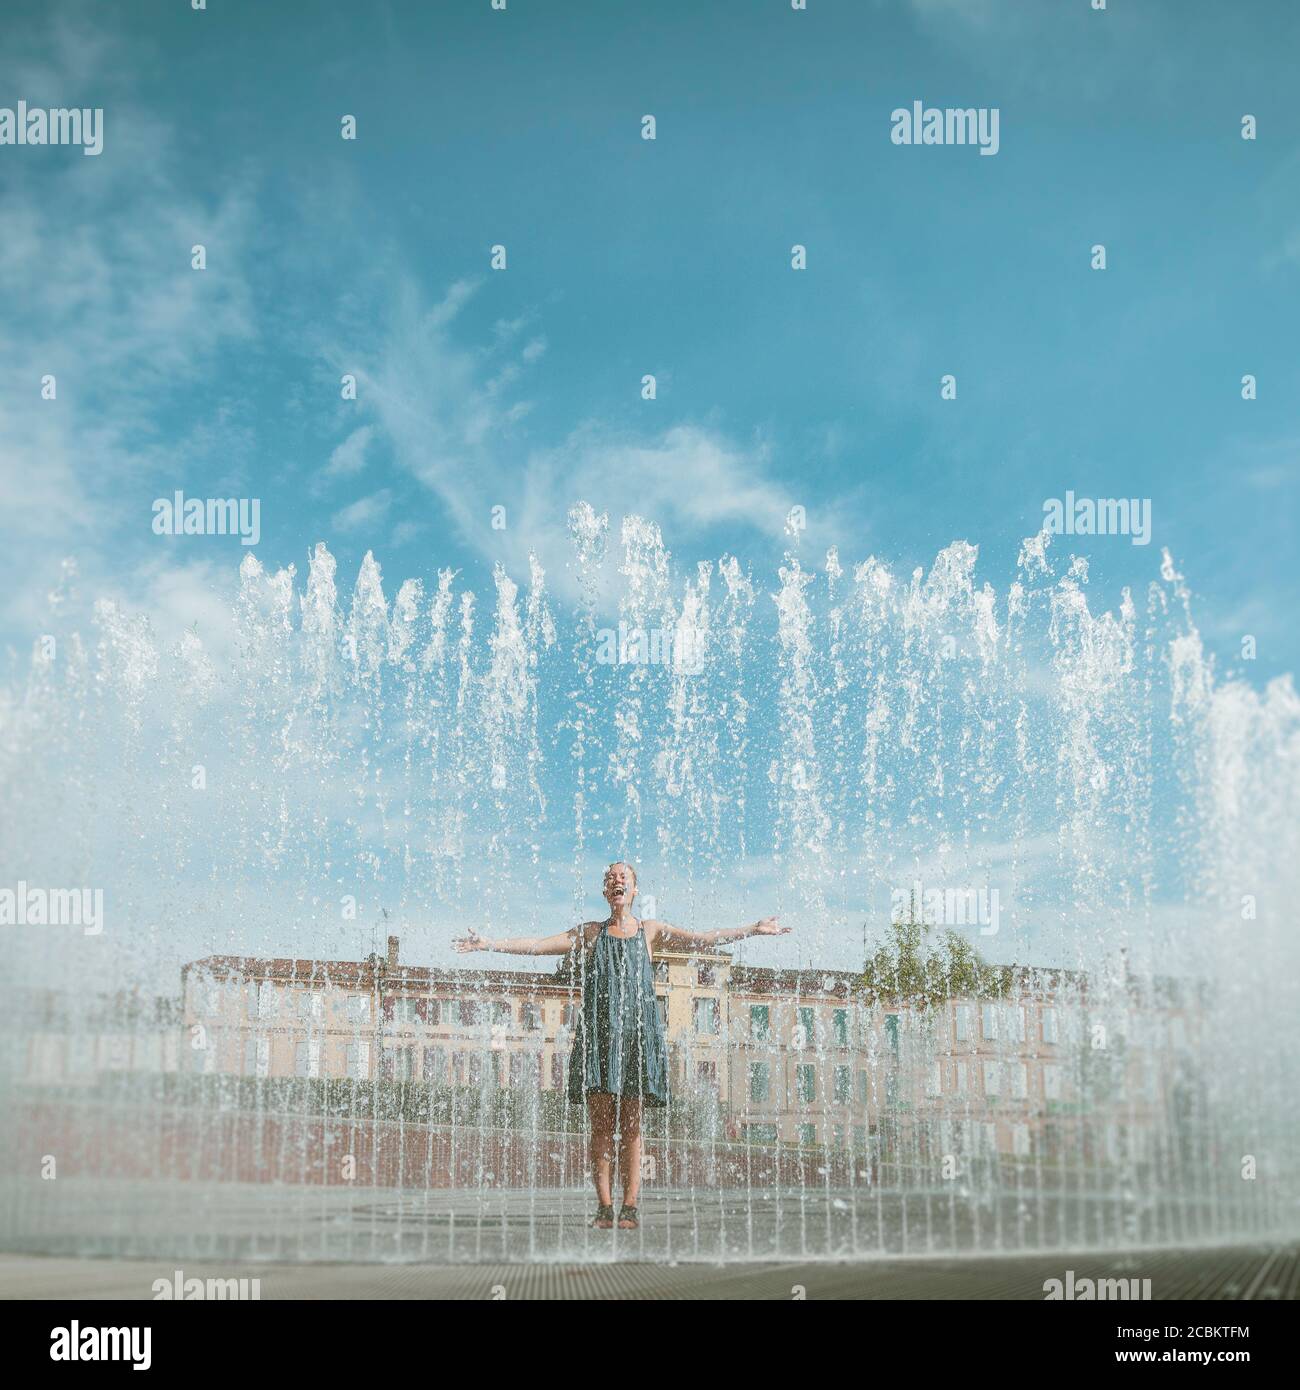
{"x":522,"y":388}
{"x":626,"y":256}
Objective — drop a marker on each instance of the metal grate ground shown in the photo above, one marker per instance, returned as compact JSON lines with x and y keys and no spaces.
{"x":1246,"y":1273}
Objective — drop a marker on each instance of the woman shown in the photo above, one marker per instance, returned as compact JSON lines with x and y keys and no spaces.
{"x":620,"y":1056}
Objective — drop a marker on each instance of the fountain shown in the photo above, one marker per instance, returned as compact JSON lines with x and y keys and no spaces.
{"x":1038,"y":857}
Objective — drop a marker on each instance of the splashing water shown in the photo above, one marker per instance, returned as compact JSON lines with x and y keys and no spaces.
{"x":1041,"y":992}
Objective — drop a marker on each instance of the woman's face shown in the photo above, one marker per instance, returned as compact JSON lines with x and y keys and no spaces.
{"x":620,"y":885}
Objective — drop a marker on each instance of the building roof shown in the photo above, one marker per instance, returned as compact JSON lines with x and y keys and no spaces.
{"x":804,"y":982}
{"x":762,"y":979}
{"x":366,"y":974}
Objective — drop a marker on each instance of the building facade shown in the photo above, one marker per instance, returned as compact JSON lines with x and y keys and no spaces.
{"x":778,"y":1057}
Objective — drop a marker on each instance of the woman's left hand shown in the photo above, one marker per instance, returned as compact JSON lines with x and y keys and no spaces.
{"x":769,"y":926}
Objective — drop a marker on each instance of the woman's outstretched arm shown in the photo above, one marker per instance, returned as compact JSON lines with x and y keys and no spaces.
{"x":678,"y":939}
{"x":559,"y":945}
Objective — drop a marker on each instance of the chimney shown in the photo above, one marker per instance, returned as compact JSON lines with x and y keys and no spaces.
{"x":392,"y":953}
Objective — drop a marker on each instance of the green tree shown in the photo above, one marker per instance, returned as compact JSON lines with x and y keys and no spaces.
{"x":914,"y":964}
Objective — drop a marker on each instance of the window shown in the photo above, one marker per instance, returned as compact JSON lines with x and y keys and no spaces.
{"x":567,"y":1014}
{"x":706,"y":1074}
{"x":934,"y":1081}
{"x":1049,"y":1026}
{"x":257,"y":1056}
{"x":435,"y":1066}
{"x":1019,"y":1081}
{"x":891,"y":1033}
{"x":148,"y":1054}
{"x":81,"y":1051}
{"x":959,"y":1078}
{"x":760,"y":1022}
{"x":502,"y":1014}
{"x":837,"y":1136}
{"x":760,"y":1134}
{"x":840,"y":1027}
{"x":808,"y":1135}
{"x":864,"y":1087}
{"x":843,"y":1085}
{"x":406,"y":1011}
{"x":1051,"y":1083}
{"x":805,"y":1077}
{"x":1018,"y":1022}
{"x":268,"y":1002}
{"x":990,"y":1023}
{"x":525,"y":1071}
{"x":206,"y":996}
{"x":706,"y":975}
{"x":962,"y":1033}
{"x":358,"y":1008}
{"x":530,"y":1018}
{"x":1020,"y":1140}
{"x":706,"y":1015}
{"x":661,"y":1003}
{"x":81,"y":1054}
{"x":991,"y":1080}
{"x":310,"y":1004}
{"x":358,"y":1061}
{"x":307,"y":1058}
{"x":807,"y":1025}
{"x":402,"y":1063}
{"x":760,"y":1082}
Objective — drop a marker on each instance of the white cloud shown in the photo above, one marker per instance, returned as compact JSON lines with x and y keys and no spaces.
{"x":350,"y":456}
{"x":1035,"y":47}
{"x":196,"y":596}
{"x":98,"y":289}
{"x":406,"y":531}
{"x":365,"y":511}
{"x":452,"y":414}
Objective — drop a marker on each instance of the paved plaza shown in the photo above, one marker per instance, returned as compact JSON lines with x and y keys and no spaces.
{"x":1247,"y":1274}
{"x":83,"y":1238}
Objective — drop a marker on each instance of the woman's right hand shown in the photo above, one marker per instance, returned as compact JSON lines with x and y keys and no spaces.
{"x":470,"y":942}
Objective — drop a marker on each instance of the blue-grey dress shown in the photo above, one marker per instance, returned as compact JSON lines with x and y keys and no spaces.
{"x":619,"y":1044}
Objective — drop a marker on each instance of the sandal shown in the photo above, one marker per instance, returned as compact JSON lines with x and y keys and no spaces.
{"x":627,"y":1218}
{"x":604,"y":1217}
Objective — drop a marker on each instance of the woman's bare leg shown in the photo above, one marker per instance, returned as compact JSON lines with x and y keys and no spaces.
{"x":600,"y":1107}
{"x":629,"y":1132}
